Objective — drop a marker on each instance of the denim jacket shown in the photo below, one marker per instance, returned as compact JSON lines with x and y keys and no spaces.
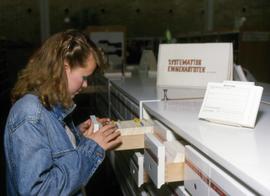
{"x":41,"y":159}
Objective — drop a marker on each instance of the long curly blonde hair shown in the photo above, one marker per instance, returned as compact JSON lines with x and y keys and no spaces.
{"x":44,"y":74}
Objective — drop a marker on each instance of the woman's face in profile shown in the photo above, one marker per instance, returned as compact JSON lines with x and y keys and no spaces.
{"x":77,"y":77}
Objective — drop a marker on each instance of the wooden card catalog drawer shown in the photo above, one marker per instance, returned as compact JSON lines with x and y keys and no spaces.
{"x":175,"y":158}
{"x":136,"y":169}
{"x":130,"y":142}
{"x":132,"y":133}
{"x":161,"y":163}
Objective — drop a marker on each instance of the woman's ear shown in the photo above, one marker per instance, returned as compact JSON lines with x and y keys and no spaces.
{"x":66,"y":66}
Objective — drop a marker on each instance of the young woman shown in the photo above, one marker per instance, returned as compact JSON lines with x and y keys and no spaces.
{"x":45,"y":153}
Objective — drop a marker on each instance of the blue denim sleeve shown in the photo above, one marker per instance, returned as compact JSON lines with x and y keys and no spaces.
{"x":35,"y":170}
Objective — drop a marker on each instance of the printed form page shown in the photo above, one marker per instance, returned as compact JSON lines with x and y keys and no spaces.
{"x":231,"y":103}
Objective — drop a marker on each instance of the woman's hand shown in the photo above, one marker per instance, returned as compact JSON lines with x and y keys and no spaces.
{"x":107,"y":137}
{"x":85,"y":126}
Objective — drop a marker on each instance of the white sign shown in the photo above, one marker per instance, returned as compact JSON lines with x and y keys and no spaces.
{"x":194,"y":65}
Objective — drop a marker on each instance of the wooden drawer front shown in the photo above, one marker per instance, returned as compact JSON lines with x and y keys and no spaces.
{"x":131,"y":142}
{"x":132,"y":133}
{"x":136,"y":168}
{"x":196,"y":172}
{"x":154,"y":159}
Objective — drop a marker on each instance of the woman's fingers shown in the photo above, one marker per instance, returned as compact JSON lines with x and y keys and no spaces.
{"x":114,"y":143}
{"x":112,"y":136}
{"x":108,"y":127}
{"x":88,"y":132}
{"x":85,"y":125}
{"x":109,"y":131}
{"x":107,"y":137}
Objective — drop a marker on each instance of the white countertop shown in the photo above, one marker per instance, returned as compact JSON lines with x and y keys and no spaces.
{"x":244,"y":152}
{"x":142,"y":88}
{"x":138,"y":88}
